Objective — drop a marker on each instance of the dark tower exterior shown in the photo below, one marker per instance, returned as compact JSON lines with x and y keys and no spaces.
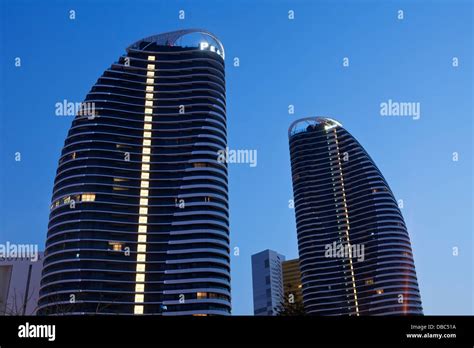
{"x":355,"y":252}
{"x":139,"y":219}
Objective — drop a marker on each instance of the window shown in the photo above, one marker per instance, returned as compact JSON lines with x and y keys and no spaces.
{"x":116,"y":246}
{"x":88,"y":197}
{"x":116,"y":188}
{"x":120,"y":180}
{"x":201,"y":295}
{"x":267,"y":263}
{"x":379,"y":291}
{"x":200,"y":165}
{"x":369,"y":281}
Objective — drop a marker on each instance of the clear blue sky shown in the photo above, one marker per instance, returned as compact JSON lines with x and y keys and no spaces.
{"x":282,"y":62}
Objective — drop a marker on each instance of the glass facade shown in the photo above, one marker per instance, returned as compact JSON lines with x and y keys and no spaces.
{"x":355,"y":251}
{"x":139,"y":220}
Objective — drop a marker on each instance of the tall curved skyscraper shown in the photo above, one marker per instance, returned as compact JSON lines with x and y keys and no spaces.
{"x":355,"y":252}
{"x":139,"y":220}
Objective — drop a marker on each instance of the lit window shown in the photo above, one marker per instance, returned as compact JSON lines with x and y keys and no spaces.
{"x":369,"y":281}
{"x":150,"y":73}
{"x":145,"y":167}
{"x":145,"y":184}
{"x":151,"y":57}
{"x":146,"y":142}
{"x":149,"y":95}
{"x":73,"y":155}
{"x":140,"y":288}
{"x":149,"y":88}
{"x":139,"y":298}
{"x":120,"y":180}
{"x":140,"y":278}
{"x":144,"y":193}
{"x":149,"y":81}
{"x":141,"y":248}
{"x":116,"y":188}
{"x":379,"y":291}
{"x":147,"y":126}
{"x":143,"y":201}
{"x":138,"y":310}
{"x":141,"y":267}
{"x":142,"y":238}
{"x":146,"y":150}
{"x":116,"y":246}
{"x":141,"y":229}
{"x":88,"y":197}
{"x":67,"y":199}
{"x":147,"y":134}
{"x":148,"y":118}
{"x":150,"y":66}
{"x":199,"y":315}
{"x":140,"y":258}
{"x":149,"y":103}
{"x":143,"y":211}
{"x":201,"y":295}
{"x":146,"y":158}
{"x":200,"y":165}
{"x":148,"y":110}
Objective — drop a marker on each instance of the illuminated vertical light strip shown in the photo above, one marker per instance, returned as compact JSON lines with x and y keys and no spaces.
{"x":346,"y":218}
{"x":144,"y":186}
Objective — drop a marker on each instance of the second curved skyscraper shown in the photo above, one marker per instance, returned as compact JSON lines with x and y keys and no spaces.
{"x":355,"y":251}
